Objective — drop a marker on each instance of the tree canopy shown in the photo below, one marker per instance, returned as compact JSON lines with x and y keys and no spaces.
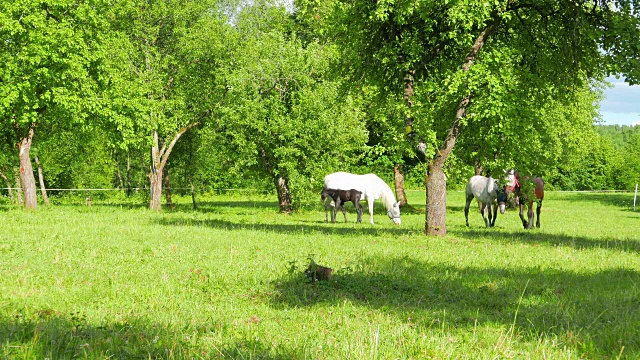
{"x":262,"y":94}
{"x":489,"y":77}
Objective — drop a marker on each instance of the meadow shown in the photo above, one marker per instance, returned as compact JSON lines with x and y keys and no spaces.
{"x":116,"y":280}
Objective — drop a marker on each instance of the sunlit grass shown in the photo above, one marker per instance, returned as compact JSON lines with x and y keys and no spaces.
{"x":116,"y":280}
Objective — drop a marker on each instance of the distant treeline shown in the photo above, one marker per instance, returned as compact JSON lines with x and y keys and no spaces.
{"x":611,"y":161}
{"x":619,"y":135}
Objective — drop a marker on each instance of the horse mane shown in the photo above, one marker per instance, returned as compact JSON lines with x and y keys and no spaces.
{"x":387,"y":196}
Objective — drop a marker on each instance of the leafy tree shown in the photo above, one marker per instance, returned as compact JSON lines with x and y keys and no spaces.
{"x":386,"y":146}
{"x":284,"y":113}
{"x":479,"y":66}
{"x":75,"y":156}
{"x":147,"y":98}
{"x":619,"y":135}
{"x":47,"y":71}
{"x":627,"y":172}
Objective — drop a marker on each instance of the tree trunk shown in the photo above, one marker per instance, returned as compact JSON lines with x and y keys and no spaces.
{"x":118,"y":173}
{"x":478,"y":167}
{"x":8,"y":183}
{"x":193,"y":193}
{"x":18,"y":188}
{"x":167,"y":190}
{"x":155,"y":187}
{"x":408,"y":99}
{"x":155,"y":176}
{"x":159,"y":158}
{"x":26,"y":172}
{"x":129,"y":174}
{"x":284,"y":195}
{"x":281,"y":183}
{"x":436,"y":212}
{"x":399,"y":182}
{"x":43,"y":188}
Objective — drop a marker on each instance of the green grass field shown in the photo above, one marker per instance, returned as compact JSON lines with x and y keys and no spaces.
{"x":226,"y":281}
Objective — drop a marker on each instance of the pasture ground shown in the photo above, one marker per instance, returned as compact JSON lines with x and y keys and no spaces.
{"x":226,"y":281}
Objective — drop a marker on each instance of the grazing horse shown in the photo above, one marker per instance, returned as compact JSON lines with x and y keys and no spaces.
{"x":488,"y":193}
{"x":532,"y":189}
{"x":372,"y":188}
{"x":340,"y":197}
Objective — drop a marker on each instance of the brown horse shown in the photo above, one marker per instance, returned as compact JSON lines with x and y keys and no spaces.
{"x":532,"y":189}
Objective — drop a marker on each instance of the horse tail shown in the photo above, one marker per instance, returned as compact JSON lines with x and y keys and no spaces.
{"x":387,"y":197}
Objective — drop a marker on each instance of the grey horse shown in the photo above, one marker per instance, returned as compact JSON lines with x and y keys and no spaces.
{"x":488,"y":193}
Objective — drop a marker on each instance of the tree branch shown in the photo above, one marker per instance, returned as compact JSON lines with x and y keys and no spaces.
{"x":164,"y":153}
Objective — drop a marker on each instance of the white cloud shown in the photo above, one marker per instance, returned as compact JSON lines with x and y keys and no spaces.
{"x":621,"y":104}
{"x":620,"y":118}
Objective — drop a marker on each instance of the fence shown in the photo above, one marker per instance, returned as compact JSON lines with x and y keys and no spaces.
{"x":182,"y":191}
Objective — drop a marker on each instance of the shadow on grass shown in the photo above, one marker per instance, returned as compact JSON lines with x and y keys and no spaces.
{"x":533,"y":237}
{"x":621,"y":200}
{"x":209,"y":206}
{"x":528,"y":237}
{"x":594,"y":313}
{"x":332,"y":229}
{"x":53,"y":336}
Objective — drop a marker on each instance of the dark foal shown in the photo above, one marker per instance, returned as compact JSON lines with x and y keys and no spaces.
{"x":532,"y":190}
{"x":340,"y":197}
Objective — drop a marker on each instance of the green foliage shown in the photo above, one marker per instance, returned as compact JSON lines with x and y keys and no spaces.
{"x":73,"y":157}
{"x":533,"y":84}
{"x":285,"y":115}
{"x":304,"y":94}
{"x":619,"y":135}
{"x":143,"y":67}
{"x":627,"y":172}
{"x":590,"y":166}
{"x":625,"y":143}
{"x":47,"y":59}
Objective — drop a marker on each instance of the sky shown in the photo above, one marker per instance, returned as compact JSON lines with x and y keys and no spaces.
{"x":622,"y":103}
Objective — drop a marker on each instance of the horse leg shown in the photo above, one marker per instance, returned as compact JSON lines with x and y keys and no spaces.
{"x":356,"y":203}
{"x":327,"y":204}
{"x":344,"y":212}
{"x":489,"y":214}
{"x":538,"y":208}
{"x":524,"y":222}
{"x":326,"y":210}
{"x":530,"y":215}
{"x":495,"y":214}
{"x":337,"y":203}
{"x":466,"y":208}
{"x":483,"y":211}
{"x":370,"y":202}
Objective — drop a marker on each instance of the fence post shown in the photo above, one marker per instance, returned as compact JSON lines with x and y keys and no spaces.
{"x":635,"y":195}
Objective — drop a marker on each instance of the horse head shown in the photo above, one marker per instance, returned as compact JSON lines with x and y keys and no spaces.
{"x":394,"y":213}
{"x":512,"y":187}
{"x":512,"y":180}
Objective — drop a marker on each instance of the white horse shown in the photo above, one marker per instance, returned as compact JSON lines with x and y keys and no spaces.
{"x":372,"y":188}
{"x":488,"y":193}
